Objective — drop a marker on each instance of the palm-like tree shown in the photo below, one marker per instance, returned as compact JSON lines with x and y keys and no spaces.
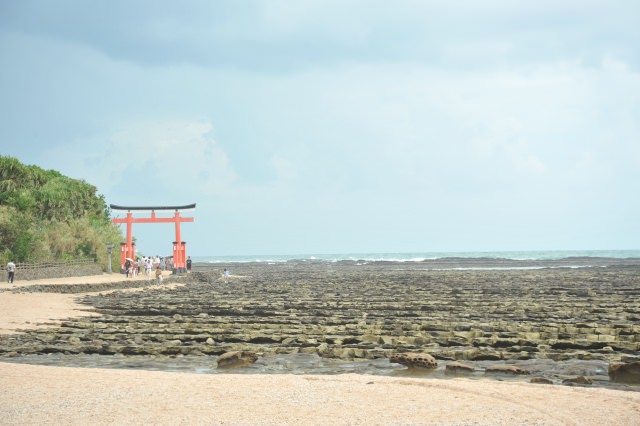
{"x":9,"y":167}
{"x":11,"y":171}
{"x":42,"y":205}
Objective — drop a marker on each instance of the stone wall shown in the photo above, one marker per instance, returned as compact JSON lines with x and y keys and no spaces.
{"x":61,"y":271}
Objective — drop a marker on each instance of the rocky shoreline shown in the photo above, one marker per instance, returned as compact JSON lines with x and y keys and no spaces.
{"x":357,"y":311}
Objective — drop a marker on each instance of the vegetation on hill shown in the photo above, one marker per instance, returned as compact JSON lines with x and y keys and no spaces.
{"x":45,"y":216}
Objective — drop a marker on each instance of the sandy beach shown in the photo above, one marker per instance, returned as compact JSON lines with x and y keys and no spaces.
{"x":32,"y":394}
{"x":41,"y":310}
{"x":73,"y":396}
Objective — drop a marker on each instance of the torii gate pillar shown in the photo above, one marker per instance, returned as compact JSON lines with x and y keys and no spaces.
{"x":127,"y":250}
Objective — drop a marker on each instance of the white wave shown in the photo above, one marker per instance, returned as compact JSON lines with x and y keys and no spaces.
{"x":422,"y":257}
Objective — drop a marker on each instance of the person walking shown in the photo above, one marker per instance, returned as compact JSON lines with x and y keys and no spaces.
{"x":127,"y":267}
{"x":11,"y":271}
{"x":147,"y":268}
{"x":158,"y":275}
{"x":189,"y":265}
{"x":226,"y":275}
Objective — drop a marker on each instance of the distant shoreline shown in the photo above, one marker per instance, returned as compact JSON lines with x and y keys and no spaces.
{"x":449,"y":263}
{"x":563,"y":257}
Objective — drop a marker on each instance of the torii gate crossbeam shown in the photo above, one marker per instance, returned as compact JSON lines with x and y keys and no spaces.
{"x":179,"y":247}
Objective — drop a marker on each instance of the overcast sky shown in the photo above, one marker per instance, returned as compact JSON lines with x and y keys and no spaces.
{"x":312,"y":126}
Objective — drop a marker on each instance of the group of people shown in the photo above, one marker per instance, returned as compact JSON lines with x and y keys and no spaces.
{"x":133,"y":267}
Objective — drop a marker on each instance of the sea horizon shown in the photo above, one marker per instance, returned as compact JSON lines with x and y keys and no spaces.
{"x":422,"y":256}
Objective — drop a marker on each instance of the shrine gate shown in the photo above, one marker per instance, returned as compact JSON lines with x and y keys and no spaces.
{"x":127,"y":250}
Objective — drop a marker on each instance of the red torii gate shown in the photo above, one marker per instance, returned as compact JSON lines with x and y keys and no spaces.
{"x":127,"y":250}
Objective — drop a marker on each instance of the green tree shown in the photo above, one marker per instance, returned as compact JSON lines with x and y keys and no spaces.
{"x":45,"y":215}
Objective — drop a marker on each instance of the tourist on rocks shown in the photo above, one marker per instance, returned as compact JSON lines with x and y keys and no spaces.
{"x":158,"y":275}
{"x":11,"y":271}
{"x":188,"y":264}
{"x":226,"y":275}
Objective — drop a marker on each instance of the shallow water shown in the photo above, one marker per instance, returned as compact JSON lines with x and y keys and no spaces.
{"x":300,"y":364}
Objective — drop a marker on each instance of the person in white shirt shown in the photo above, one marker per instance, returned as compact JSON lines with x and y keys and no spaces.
{"x":147,"y":267}
{"x":11,"y":271}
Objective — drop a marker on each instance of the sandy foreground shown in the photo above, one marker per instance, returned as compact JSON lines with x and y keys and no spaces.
{"x":37,"y":310}
{"x":77,"y":396}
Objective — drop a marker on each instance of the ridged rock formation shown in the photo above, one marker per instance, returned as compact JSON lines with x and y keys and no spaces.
{"x":414,"y":360}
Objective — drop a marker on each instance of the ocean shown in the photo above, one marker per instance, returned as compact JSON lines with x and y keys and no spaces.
{"x":422,"y":256}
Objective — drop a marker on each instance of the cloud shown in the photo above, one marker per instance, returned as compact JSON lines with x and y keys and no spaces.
{"x":418,"y":120}
{"x":348,"y":128}
{"x":152,"y":160}
{"x":278,"y":35}
{"x":283,"y":168}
